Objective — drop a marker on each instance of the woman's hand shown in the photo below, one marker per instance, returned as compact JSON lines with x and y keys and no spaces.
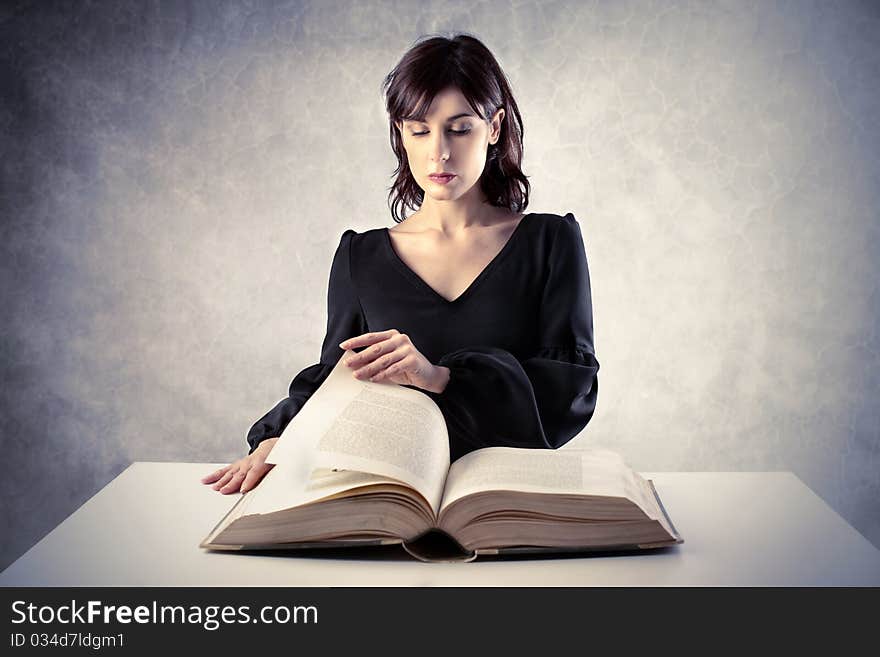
{"x":245,"y":473}
{"x":393,"y":358}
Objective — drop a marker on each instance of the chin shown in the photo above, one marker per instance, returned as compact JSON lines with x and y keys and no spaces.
{"x":445,"y":191}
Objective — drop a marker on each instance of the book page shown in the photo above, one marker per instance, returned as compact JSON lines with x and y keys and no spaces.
{"x":371,"y":427}
{"x":286,"y":486}
{"x":384,"y":432}
{"x":561,"y":471}
{"x":317,"y":414}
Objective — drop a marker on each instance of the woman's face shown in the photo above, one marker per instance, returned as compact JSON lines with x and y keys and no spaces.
{"x":452,"y":139}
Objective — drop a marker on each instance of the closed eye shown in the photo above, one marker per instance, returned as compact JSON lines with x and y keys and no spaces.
{"x":455,"y":132}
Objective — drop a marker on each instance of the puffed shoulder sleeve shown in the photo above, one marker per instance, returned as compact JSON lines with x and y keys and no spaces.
{"x":543,"y":400}
{"x":344,"y":320}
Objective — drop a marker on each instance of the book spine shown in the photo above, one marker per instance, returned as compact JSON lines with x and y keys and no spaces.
{"x":437,"y":546}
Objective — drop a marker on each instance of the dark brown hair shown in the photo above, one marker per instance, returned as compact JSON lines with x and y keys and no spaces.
{"x":433,"y":64}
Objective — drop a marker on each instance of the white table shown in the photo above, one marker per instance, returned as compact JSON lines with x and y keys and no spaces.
{"x":740,"y":529}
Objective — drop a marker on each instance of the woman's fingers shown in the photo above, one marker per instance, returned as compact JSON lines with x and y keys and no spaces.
{"x":244,"y":474}
{"x":381,"y":365}
{"x":366,"y":339}
{"x":375,"y":359}
{"x":233,"y":484}
{"x":255,"y":475}
{"x":214,"y":476}
{"x":223,"y":480}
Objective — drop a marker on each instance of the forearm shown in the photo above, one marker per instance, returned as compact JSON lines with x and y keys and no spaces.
{"x":496,"y":399}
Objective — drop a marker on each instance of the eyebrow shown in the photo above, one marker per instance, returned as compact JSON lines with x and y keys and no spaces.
{"x":451,"y":118}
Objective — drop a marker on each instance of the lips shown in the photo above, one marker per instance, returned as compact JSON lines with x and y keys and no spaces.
{"x":441,"y":176}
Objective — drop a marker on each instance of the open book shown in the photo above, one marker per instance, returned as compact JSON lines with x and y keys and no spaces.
{"x":367,"y":463}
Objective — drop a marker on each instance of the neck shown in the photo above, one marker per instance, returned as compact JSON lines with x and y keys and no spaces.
{"x":452,"y":217}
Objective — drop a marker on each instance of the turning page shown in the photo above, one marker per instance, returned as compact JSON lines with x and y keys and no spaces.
{"x":370,"y":427}
{"x":286,"y":486}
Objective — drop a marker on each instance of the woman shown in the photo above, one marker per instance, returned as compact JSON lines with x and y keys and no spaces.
{"x":485,"y":309}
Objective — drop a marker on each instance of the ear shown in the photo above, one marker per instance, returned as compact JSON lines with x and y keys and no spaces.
{"x":495,"y":125}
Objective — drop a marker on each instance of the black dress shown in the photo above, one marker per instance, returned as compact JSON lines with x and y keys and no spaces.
{"x":518,"y":341}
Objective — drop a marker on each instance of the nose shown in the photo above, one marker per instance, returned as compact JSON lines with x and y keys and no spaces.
{"x":439,"y":147}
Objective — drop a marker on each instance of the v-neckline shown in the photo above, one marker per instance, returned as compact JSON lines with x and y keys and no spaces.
{"x":420,"y":282}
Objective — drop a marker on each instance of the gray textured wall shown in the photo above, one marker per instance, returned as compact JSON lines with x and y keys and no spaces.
{"x":176,"y":175}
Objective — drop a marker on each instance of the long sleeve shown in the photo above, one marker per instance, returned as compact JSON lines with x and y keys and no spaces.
{"x":495,"y":399}
{"x":345,"y":320}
